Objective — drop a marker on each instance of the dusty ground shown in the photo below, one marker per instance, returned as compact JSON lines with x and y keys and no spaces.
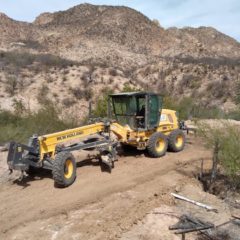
{"x":133,"y":202}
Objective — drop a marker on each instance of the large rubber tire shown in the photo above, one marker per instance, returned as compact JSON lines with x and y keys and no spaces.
{"x":64,"y":169}
{"x":176,"y":141}
{"x":157,"y":145}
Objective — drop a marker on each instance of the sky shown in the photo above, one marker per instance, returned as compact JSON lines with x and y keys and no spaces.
{"x":224,"y":15}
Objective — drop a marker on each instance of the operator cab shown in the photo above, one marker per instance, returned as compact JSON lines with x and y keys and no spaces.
{"x":138,"y":110}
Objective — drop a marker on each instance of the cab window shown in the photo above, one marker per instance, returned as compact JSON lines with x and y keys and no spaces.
{"x":163,"y":118}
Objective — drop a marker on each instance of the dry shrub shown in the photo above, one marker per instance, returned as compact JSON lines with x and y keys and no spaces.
{"x":111,"y":80}
{"x":64,"y":78}
{"x":78,"y":93}
{"x":66,"y":71}
{"x":49,"y":79}
{"x":88,"y":94}
{"x":217,"y":88}
{"x":85,"y":77}
{"x":55,"y":95}
{"x":68,"y":102}
{"x":42,"y":95}
{"x":11,"y":84}
{"x":113,"y":72}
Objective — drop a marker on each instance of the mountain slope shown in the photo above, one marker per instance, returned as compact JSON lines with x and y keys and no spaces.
{"x":109,"y":47}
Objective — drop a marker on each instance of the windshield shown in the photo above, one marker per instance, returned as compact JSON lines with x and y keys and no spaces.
{"x":125,"y":110}
{"x":137,"y":111}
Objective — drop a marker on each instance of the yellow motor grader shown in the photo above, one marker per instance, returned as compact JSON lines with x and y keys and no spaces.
{"x":134,"y":119}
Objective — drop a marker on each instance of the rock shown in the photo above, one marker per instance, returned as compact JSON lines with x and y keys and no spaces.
{"x":177,"y":188}
{"x":4,"y":148}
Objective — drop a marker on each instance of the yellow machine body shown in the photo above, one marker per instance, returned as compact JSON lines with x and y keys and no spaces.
{"x":125,"y":134}
{"x":49,"y":142}
{"x":139,"y":121}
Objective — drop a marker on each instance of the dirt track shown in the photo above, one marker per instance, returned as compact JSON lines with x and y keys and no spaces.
{"x":98,"y":205}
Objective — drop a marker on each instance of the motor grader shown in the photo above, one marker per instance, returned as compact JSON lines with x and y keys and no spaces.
{"x":134,"y":119}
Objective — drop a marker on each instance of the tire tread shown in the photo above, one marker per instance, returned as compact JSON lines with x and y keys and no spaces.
{"x":151,"y":146}
{"x":172,"y":139}
{"x":58,"y":169}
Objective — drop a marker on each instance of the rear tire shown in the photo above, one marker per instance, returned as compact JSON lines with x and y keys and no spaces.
{"x":64,"y":169}
{"x":176,"y":141}
{"x":157,"y":145}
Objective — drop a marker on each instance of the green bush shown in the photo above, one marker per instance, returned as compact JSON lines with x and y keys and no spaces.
{"x":128,"y":88}
{"x":100,"y":109}
{"x":234,"y":115}
{"x":224,"y":138}
{"x":230,"y":153}
{"x":20,"y":127}
{"x":18,"y":106}
{"x":187,"y":108}
{"x":237,"y":92}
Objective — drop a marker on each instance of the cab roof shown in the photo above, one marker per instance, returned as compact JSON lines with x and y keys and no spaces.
{"x":132,"y":94}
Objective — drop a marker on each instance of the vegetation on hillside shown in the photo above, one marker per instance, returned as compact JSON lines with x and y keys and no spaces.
{"x":187,"y":108}
{"x":15,"y":60}
{"x":21,"y":124}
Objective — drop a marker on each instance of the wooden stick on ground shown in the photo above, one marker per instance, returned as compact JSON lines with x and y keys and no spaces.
{"x":236,"y":217}
{"x":209,"y":208}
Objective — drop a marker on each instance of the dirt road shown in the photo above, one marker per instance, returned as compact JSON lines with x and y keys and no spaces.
{"x":98,"y":205}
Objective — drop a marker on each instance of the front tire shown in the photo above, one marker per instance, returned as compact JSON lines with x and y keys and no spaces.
{"x":157,"y":145}
{"x":176,"y":141}
{"x":64,"y":169}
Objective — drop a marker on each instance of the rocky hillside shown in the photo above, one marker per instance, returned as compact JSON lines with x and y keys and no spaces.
{"x":71,"y":56}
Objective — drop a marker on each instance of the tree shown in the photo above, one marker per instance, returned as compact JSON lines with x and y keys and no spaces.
{"x":128,"y":88}
{"x":223,"y":138}
{"x":18,"y":106}
{"x":100,"y":109}
{"x":237,"y":92}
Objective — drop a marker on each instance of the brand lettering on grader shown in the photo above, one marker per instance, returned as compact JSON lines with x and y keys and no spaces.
{"x":69,"y":135}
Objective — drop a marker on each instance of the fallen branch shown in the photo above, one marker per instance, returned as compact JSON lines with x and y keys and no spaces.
{"x":209,"y":208}
{"x":195,"y":229}
{"x":236,"y":217}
